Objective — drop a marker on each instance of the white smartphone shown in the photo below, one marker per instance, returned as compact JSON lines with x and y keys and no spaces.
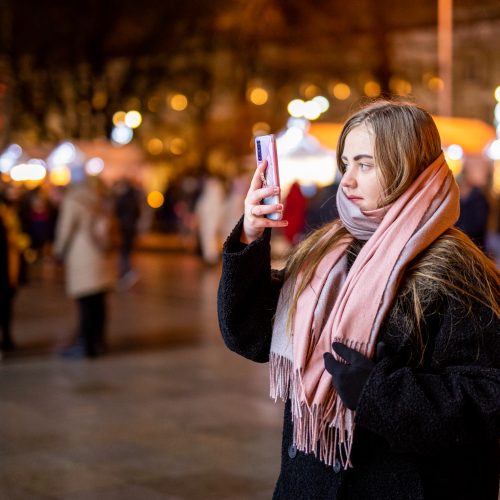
{"x":265,"y":149}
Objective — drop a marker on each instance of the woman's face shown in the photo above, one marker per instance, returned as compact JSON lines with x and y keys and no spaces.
{"x":361,"y":180}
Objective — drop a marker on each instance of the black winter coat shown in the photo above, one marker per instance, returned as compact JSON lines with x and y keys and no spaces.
{"x":423,"y":431}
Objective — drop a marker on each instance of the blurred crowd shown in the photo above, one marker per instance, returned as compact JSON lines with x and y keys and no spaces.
{"x":91,"y":230}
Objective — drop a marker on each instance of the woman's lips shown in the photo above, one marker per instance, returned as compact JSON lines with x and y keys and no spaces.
{"x":354,"y":198}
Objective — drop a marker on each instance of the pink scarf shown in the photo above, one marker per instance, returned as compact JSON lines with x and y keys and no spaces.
{"x":361,"y":300}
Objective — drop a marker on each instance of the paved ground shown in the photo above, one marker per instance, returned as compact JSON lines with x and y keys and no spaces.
{"x":170,"y":413}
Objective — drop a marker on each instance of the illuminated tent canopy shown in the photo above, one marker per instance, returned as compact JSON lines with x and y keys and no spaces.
{"x":471,"y":134}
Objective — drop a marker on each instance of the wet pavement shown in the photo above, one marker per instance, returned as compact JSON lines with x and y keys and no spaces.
{"x":168,"y":413}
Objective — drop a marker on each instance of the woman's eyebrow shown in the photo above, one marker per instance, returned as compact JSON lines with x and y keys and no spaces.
{"x":358,"y":157}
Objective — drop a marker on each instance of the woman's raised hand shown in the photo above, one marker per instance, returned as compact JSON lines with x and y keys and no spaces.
{"x":255,"y":221}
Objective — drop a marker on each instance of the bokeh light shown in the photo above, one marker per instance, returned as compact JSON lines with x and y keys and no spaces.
{"x":94,"y":166}
{"x":400,"y":86}
{"x":436,"y":84}
{"x":341,"y":91}
{"x":497,"y":93}
{"x":119,"y":118}
{"x":177,"y":146}
{"x":155,"y":199}
{"x":312,"y":110}
{"x":311,"y":91}
{"x":63,"y":154}
{"x":133,"y":119}
{"x":178,"y":102}
{"x":455,"y":152}
{"x":296,"y":108}
{"x":60,"y":176}
{"x":10,"y":156}
{"x":371,"y":89}
{"x":260,"y":128}
{"x":34,"y":170}
{"x":322,"y":102}
{"x":493,"y":150}
{"x":258,"y":96}
{"x":122,"y":134}
{"x":154,"y":146}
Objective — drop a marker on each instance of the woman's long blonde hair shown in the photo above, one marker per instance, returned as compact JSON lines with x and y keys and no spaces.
{"x":406,"y":141}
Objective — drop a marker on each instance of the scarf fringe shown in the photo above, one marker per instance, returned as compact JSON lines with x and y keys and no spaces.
{"x":311,"y":431}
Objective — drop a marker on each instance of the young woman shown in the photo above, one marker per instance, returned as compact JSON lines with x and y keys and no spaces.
{"x":383,"y":330}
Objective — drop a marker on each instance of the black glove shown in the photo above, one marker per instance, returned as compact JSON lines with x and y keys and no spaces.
{"x":350,"y":377}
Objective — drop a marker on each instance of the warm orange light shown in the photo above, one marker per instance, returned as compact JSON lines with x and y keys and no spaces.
{"x":258,"y":96}
{"x":177,"y":146}
{"x":435,"y":84}
{"x":400,"y":86}
{"x":471,"y":134}
{"x":178,"y":102}
{"x":155,"y":146}
{"x":341,"y":91}
{"x":372,"y":89}
{"x":326,"y":133}
{"x":60,"y":176}
{"x":261,"y":127}
{"x":119,"y":118}
{"x":155,"y":199}
{"x":311,"y":91}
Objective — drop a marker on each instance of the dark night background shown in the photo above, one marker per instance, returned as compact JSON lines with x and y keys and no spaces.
{"x":67,"y":67}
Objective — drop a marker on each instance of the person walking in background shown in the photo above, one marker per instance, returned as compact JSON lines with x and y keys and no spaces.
{"x":209,"y":213}
{"x":232,"y":209}
{"x":382,"y":331}
{"x":128,"y":212}
{"x":90,"y":268}
{"x":6,"y":291}
{"x":322,"y":207}
{"x":474,"y":208}
{"x":13,"y":243}
{"x":38,"y":215}
{"x":294,"y":211}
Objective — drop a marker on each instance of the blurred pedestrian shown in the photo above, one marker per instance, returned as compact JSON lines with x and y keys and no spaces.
{"x":13,"y":244}
{"x":474,"y":208}
{"x":209,"y":212}
{"x":90,"y":267}
{"x":383,"y":330}
{"x":6,"y":291}
{"x":322,"y":207}
{"x":128,"y":211}
{"x":294,"y":211}
{"x":234,"y":201}
{"x":38,"y":219}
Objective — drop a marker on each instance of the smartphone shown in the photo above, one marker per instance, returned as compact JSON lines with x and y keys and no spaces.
{"x":265,"y":149}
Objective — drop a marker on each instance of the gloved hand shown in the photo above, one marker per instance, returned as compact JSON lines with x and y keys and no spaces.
{"x":350,"y":377}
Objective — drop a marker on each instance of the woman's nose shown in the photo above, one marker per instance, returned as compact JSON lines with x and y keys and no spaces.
{"x":348,"y":179}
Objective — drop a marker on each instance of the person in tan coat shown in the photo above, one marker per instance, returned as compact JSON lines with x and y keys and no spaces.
{"x":89,"y":268}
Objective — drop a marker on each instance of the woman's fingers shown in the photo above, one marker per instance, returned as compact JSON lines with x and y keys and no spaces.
{"x":255,"y":197}
{"x":255,"y":220}
{"x":260,"y":210}
{"x":258,"y":176}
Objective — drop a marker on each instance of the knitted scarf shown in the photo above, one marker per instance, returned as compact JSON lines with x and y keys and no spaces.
{"x":349,"y":307}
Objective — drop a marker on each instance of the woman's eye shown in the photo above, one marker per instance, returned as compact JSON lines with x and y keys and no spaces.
{"x":365,"y":166}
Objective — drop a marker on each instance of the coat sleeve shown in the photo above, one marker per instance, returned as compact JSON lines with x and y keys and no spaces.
{"x":247,"y":296}
{"x":452,"y":400}
{"x":65,"y":227}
